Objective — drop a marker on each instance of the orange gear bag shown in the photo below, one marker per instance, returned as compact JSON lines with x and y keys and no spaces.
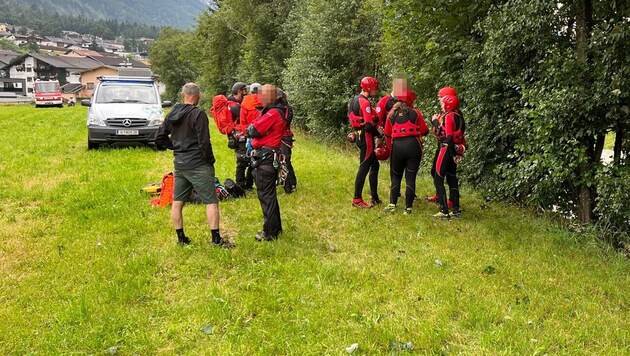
{"x":166,"y":194}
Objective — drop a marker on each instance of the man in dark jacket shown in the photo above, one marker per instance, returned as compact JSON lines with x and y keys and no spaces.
{"x":189,"y":139}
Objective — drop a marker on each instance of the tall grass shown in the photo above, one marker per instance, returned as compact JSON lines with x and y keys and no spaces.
{"x":88,"y":266}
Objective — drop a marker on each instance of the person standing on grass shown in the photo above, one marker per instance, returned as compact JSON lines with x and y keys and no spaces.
{"x":452,"y":147}
{"x":266,"y":132}
{"x":404,"y":129}
{"x":187,"y":126}
{"x":364,"y":119}
{"x":435,"y":129}
{"x":243,"y":175}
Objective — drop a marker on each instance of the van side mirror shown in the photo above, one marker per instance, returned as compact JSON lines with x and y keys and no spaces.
{"x":86,"y":102}
{"x":167,"y":104}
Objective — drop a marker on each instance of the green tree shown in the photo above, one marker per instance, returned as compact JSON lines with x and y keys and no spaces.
{"x":336,"y":47}
{"x":170,"y":58}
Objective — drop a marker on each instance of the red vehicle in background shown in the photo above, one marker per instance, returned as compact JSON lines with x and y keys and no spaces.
{"x":47,"y":93}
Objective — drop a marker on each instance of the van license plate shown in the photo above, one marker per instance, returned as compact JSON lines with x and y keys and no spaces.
{"x":127,"y":132}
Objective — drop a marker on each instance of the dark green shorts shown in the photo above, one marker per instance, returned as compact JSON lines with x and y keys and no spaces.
{"x":200,"y":178}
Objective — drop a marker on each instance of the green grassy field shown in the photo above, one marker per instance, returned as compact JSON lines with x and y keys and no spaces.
{"x":87,"y":266}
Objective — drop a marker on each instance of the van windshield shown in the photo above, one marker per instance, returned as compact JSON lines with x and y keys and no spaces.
{"x":46,"y":87}
{"x":141,"y":94}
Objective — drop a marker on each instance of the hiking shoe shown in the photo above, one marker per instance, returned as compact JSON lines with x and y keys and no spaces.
{"x":183,"y":240}
{"x":442,"y":216}
{"x":407,"y":212}
{"x":261,"y":236}
{"x":223,"y":243}
{"x":432,"y":198}
{"x":390,"y":208}
{"x":375,"y":201}
{"x":359,"y":203}
{"x":457,"y":214}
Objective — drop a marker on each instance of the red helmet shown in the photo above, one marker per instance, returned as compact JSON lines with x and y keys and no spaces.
{"x":447,"y":91}
{"x":407,"y":96}
{"x":382,"y":153}
{"x":450,"y":102}
{"x":369,"y":84}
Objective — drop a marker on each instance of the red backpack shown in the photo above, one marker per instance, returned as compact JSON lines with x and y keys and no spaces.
{"x":222,"y":115}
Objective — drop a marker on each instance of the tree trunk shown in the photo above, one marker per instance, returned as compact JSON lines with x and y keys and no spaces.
{"x":584,"y":24}
{"x":619,"y":133}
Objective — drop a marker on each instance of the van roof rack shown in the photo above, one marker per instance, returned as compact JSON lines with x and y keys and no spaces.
{"x":119,"y":79}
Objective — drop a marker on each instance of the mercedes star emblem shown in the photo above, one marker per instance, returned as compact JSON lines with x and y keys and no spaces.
{"x":126,"y":122}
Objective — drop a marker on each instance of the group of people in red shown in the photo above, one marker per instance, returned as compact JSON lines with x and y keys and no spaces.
{"x":395,"y":130}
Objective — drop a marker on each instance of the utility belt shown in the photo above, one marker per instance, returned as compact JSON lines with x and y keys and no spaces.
{"x":265,"y":156}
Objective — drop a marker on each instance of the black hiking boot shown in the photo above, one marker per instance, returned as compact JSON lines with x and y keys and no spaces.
{"x":183,"y":240}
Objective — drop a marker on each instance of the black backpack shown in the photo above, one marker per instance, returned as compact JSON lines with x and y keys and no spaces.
{"x":234,"y":189}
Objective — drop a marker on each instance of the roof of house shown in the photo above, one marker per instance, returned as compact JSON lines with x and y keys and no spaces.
{"x":71,"y":88}
{"x":60,"y":40}
{"x":53,"y":48}
{"x":85,"y":52}
{"x":117,"y":61}
{"x":59,"y":61}
{"x":5,"y":34}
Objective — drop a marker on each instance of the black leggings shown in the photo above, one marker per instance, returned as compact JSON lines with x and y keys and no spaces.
{"x":405,"y":158}
{"x":446,"y":168}
{"x":367,"y":164}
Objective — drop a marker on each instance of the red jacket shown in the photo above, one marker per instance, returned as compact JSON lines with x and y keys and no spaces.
{"x":271,"y":126}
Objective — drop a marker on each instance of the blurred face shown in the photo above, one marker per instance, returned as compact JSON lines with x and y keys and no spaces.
{"x":399,"y":85}
{"x":268,"y":94}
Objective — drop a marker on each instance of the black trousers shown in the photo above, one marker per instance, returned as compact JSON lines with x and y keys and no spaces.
{"x":287,"y":150}
{"x":266,"y":176}
{"x":405,"y":159}
{"x":244,"y":177}
{"x":367,"y":164}
{"x":446,"y":168}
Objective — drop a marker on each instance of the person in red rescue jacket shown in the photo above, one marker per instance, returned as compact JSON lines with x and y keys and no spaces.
{"x":405,"y":130}
{"x":266,"y":132}
{"x":364,"y":119}
{"x":452,"y":146}
{"x":435,"y":128}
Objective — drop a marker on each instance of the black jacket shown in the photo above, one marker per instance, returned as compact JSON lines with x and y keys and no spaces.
{"x":189,"y":139}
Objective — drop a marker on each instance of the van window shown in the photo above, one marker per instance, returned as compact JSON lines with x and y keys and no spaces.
{"x":46,"y":87}
{"x":143,"y":94}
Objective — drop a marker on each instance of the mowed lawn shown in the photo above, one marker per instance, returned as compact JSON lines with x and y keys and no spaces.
{"x":87,"y":266}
